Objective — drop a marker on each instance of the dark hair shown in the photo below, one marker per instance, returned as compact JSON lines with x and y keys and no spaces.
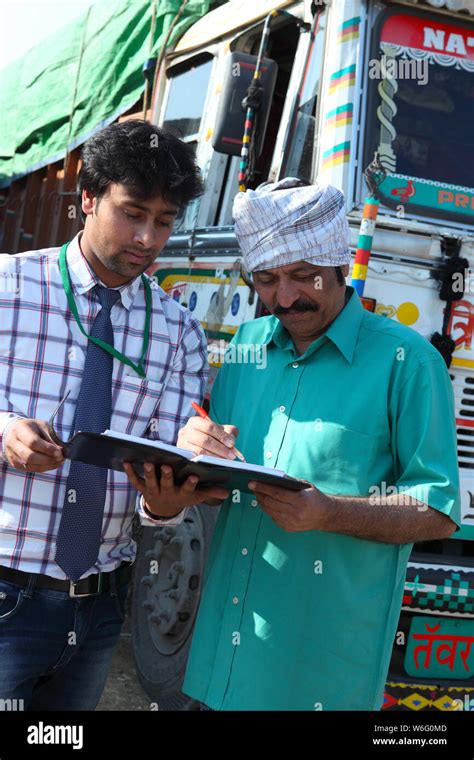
{"x":340,"y":276}
{"x":143,"y":157}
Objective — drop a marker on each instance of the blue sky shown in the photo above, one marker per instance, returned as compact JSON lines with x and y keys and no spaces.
{"x":23,"y":23}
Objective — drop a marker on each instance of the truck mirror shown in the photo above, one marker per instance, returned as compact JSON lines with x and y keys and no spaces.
{"x":230,"y":121}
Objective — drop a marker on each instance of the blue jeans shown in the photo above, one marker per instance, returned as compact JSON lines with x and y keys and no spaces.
{"x":55,"y":651}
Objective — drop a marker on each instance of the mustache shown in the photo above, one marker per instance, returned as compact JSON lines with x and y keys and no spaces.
{"x":297,"y":306}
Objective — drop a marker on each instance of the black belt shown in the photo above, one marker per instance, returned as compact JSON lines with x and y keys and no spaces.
{"x":97,"y":583}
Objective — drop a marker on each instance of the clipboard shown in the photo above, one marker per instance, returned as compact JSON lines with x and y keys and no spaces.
{"x":110,"y":449}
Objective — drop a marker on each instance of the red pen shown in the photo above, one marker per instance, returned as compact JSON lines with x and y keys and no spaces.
{"x":202,"y":413}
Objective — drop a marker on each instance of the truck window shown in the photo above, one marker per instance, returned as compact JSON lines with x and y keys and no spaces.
{"x":420,"y":113}
{"x":300,"y":155}
{"x":186,"y":98}
{"x":183,"y":112}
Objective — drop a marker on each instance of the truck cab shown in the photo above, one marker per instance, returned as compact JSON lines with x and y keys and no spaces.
{"x":353,"y":79}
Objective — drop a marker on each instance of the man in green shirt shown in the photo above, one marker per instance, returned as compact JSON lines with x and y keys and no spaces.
{"x":302,"y":591}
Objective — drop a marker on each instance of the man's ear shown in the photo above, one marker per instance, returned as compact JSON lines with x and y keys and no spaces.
{"x":345,"y":270}
{"x":88,"y":202}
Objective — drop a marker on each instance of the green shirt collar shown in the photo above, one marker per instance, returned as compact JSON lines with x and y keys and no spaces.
{"x":343,"y":332}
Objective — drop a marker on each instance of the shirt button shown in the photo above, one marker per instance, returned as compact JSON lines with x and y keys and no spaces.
{"x":235,"y":600}
{"x":295,"y":365}
{"x":281,"y":408}
{"x":245,"y":552}
{"x":269,"y":455}
{"x":253,"y":503}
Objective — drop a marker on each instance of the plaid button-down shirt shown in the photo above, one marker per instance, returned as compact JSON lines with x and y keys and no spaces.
{"x":42,"y":354}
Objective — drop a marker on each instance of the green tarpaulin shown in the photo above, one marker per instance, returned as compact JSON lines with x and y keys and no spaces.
{"x":80,"y":79}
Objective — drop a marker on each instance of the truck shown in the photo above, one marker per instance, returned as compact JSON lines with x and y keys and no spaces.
{"x":346,"y":82}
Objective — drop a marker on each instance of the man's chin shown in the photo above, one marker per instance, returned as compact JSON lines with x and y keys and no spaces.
{"x":131,"y":268}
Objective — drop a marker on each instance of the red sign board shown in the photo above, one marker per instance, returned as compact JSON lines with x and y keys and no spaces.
{"x":431,"y":36}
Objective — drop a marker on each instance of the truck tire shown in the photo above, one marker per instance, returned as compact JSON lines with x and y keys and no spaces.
{"x":167,"y":584}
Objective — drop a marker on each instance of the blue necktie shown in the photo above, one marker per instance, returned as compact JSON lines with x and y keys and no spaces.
{"x":78,"y":540}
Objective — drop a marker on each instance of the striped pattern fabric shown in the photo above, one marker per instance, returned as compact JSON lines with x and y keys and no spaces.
{"x":338,"y":154}
{"x":42,"y":353}
{"x":342,"y":78}
{"x":349,"y":30}
{"x":340,"y":116}
{"x":338,"y":132}
{"x":287,"y":221}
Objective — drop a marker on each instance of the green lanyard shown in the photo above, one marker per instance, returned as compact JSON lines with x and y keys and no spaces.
{"x":139,"y":369}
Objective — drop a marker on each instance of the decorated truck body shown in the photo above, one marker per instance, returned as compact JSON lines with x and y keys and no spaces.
{"x":353,"y":79}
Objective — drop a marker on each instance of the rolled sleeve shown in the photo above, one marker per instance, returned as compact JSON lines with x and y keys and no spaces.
{"x":425,"y":440}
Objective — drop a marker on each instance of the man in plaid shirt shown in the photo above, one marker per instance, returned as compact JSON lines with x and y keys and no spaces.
{"x":57,"y":636}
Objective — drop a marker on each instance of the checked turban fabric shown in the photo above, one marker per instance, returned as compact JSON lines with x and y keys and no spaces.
{"x":288,"y":221}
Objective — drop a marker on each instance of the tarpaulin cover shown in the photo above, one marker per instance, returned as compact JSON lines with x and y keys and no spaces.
{"x":79,"y":79}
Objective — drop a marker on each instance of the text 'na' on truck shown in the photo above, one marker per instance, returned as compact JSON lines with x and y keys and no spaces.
{"x":343,"y":82}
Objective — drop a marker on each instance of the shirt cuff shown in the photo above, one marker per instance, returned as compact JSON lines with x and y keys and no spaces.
{"x":147,"y":519}
{"x":431,"y":494}
{"x":6,"y":421}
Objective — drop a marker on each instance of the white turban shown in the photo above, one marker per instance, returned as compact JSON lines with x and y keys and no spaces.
{"x":283,"y":222}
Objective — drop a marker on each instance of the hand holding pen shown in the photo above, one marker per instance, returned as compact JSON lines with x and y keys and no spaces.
{"x":203,"y":436}
{"x":32,"y":445}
